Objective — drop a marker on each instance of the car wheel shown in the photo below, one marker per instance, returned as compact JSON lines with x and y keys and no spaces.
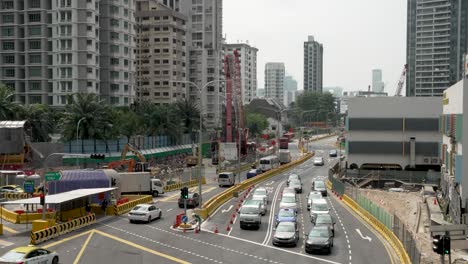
{"x":160,"y":215}
{"x":55,"y":260}
{"x":149,"y":219}
{"x":155,"y":194}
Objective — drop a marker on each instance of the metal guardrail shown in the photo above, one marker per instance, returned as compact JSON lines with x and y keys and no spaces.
{"x":176,"y":186}
{"x":126,"y":207}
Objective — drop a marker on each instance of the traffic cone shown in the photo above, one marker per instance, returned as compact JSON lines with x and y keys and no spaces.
{"x":435,"y":201}
{"x":231,"y":221}
{"x":233,"y":215}
{"x":216,"y":230}
{"x":228,"y":228}
{"x":196,"y":230}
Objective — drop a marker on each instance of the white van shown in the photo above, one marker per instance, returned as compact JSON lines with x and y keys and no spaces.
{"x":226,"y":179}
{"x":268,"y":163}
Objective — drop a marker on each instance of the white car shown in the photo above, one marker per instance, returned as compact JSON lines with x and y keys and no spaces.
{"x":30,"y":255}
{"x":288,"y":202}
{"x":261,"y":192}
{"x":318,"y":161}
{"x":144,"y":212}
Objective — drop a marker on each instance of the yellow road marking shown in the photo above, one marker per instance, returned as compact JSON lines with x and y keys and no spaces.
{"x":67,"y":239}
{"x":78,"y":257}
{"x":10,"y":230}
{"x":154,"y":252}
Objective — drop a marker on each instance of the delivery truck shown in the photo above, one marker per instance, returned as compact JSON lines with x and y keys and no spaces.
{"x":139,"y":182}
{"x":284,"y":156}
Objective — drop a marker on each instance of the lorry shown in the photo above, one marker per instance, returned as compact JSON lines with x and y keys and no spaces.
{"x":284,"y":143}
{"x":139,"y":182}
{"x":284,"y":156}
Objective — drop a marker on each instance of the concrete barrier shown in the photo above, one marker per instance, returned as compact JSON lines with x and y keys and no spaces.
{"x":388,"y":235}
{"x":126,"y":207}
{"x":61,"y":229}
{"x":19,"y":218}
{"x":177,"y":186}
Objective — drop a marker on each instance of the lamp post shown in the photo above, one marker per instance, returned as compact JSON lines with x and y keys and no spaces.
{"x":77,"y":135}
{"x":200,"y":89}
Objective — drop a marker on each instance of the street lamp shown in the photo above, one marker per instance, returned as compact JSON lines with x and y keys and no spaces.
{"x":77,"y":135}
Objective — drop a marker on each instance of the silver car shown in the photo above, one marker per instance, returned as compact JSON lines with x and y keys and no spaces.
{"x":318,"y":161}
{"x":258,"y":200}
{"x":286,"y":234}
{"x":311,"y":196}
{"x":261,"y":192}
{"x":288,"y":201}
{"x":293,"y":177}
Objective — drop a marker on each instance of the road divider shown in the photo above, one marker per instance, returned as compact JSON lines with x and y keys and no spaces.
{"x":126,"y":207}
{"x":210,"y":206}
{"x":61,"y":229}
{"x":387,"y":234}
{"x":177,"y":186}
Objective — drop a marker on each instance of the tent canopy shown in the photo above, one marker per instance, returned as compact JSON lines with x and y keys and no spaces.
{"x":62,"y":197}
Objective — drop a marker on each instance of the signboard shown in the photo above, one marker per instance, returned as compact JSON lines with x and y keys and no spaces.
{"x":52,"y":176}
{"x":184,"y":219}
{"x":28,"y":186}
{"x":101,"y":196}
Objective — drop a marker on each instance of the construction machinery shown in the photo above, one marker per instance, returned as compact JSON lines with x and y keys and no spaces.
{"x":130,"y":164}
{"x":401,"y":82}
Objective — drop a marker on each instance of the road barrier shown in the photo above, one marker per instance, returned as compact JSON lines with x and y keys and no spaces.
{"x":177,"y":186}
{"x":19,"y":217}
{"x":212,"y":204}
{"x":126,"y":207}
{"x":15,"y":196}
{"x":61,"y":229}
{"x":388,"y":235}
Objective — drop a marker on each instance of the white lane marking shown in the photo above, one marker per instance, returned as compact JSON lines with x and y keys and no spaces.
{"x":232,"y":226}
{"x":362,"y":236}
{"x":342,"y":227}
{"x":170,"y":209}
{"x":227,"y":210}
{"x":270,"y":183}
{"x":272,"y":214}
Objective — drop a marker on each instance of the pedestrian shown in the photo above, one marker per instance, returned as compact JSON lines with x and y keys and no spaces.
{"x":87,"y":207}
{"x":104,"y":206}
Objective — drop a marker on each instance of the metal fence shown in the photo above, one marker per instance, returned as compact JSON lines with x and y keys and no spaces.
{"x":407,"y":239}
{"x":429,"y":177}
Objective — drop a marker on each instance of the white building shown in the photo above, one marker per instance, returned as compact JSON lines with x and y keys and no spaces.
{"x":248,"y":69}
{"x":313,"y":65}
{"x":377,"y":84}
{"x":274,"y":80}
{"x":336,"y":91}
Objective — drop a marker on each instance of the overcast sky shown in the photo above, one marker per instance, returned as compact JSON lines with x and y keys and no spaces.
{"x":357,"y":36}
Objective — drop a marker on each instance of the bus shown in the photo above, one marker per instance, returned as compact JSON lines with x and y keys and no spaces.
{"x":268,"y":163}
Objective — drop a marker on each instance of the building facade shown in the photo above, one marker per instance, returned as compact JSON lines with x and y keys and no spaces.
{"x":437,"y":33}
{"x":248,"y":69}
{"x":313,"y":65}
{"x":274,"y":80}
{"x":260,"y":93}
{"x":161,"y":53}
{"x":397,"y":133}
{"x":454,"y":123}
{"x":51,"y":49}
{"x":377,"y":84}
{"x":290,"y":89}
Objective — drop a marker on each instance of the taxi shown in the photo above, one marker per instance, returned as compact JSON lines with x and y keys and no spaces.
{"x":31,"y":255}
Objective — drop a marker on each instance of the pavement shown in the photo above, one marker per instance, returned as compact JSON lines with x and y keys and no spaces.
{"x":114,"y":240}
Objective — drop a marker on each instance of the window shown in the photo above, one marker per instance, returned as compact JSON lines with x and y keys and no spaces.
{"x":35,"y":99}
{"x":65,"y":44}
{"x":89,"y":28}
{"x":90,"y":70}
{"x":89,"y":84}
{"x":114,"y":9}
{"x":34,"y":44}
{"x":126,"y":75}
{"x":8,"y":45}
{"x":35,"y":31}
{"x":126,"y":88}
{"x":114,"y":74}
{"x":125,"y":12}
{"x":8,"y":18}
{"x":9,"y":59}
{"x":66,"y":58}
{"x":9,"y":72}
{"x":114,"y":35}
{"x":35,"y":58}
{"x":34,"y":86}
{"x":114,"y":100}
{"x":35,"y":72}
{"x":35,"y":3}
{"x":66,"y":86}
{"x":34,"y":17}
{"x":125,"y":37}
{"x":125,"y":24}
{"x":8,"y":32}
{"x":114,"y":61}
{"x":7,"y":5}
{"x":65,"y":3}
{"x":65,"y":30}
{"x":65,"y":15}
{"x":114,"y":48}
{"x":125,"y":62}
{"x":125,"y":50}
{"x":114,"y":87}
{"x":89,"y":42}
{"x":114,"y":22}
{"x":65,"y":72}
{"x":89,"y":14}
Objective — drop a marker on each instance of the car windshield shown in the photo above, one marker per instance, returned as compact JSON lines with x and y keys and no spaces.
{"x":295,"y":183}
{"x":319,"y":207}
{"x":286,"y":213}
{"x":139,"y":208}
{"x":319,"y":184}
{"x":293,"y":177}
{"x":288,"y":199}
{"x":318,"y":159}
{"x":13,"y":255}
{"x":318,"y":233}
{"x":314,"y":195}
{"x":285,"y":228}
{"x":323,"y":219}
{"x":260,"y":192}
{"x":223,"y":176}
{"x":249,"y":210}
{"x":264,"y":162}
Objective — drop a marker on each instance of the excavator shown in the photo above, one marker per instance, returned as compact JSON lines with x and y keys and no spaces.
{"x":130,"y":164}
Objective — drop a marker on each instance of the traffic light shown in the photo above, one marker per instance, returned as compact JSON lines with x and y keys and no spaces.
{"x":437,"y":244}
{"x":42,"y":199}
{"x":446,"y":245}
{"x":184,"y":193}
{"x":97,"y":156}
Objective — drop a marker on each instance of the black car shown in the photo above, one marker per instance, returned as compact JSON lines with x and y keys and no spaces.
{"x":320,"y":238}
{"x":333,"y":153}
{"x":192,"y":201}
{"x":326,"y":220}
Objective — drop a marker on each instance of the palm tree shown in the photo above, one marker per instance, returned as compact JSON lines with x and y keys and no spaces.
{"x":40,"y":120}
{"x":95,"y":113}
{"x":7,"y":104}
{"x":165,"y":120}
{"x":190,"y":115}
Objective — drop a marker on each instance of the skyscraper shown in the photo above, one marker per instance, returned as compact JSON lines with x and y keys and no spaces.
{"x":437,"y":34}
{"x":274,"y":80}
{"x":377,"y":84}
{"x":290,"y":89}
{"x":313,"y":65}
{"x":248,"y":69}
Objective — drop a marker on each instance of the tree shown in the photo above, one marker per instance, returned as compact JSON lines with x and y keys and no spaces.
{"x":256,"y":123}
{"x":40,"y":119}
{"x":165,"y":120}
{"x":318,"y":106}
{"x":189,"y":114}
{"x":126,"y":122}
{"x":95,"y":113}
{"x":8,"y":106}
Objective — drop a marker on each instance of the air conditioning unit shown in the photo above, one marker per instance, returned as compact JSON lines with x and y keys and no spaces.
{"x":426,"y":160}
{"x":435,"y":160}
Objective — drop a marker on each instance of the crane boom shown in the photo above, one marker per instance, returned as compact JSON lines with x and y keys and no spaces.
{"x":401,"y":82}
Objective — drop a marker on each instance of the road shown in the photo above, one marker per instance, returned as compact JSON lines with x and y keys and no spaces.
{"x":114,"y":240}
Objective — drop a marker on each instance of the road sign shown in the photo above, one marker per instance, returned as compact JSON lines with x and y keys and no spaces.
{"x":52,"y":176}
{"x":28,"y":186}
{"x":184,"y":219}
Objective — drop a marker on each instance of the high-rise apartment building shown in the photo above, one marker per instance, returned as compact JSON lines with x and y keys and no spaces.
{"x":436,"y":42}
{"x":51,"y":49}
{"x":274,"y":80}
{"x":248,"y":69}
{"x":161,"y":53}
{"x":205,"y":53}
{"x":290,"y":89}
{"x":313,"y":65}
{"x":377,"y":84}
